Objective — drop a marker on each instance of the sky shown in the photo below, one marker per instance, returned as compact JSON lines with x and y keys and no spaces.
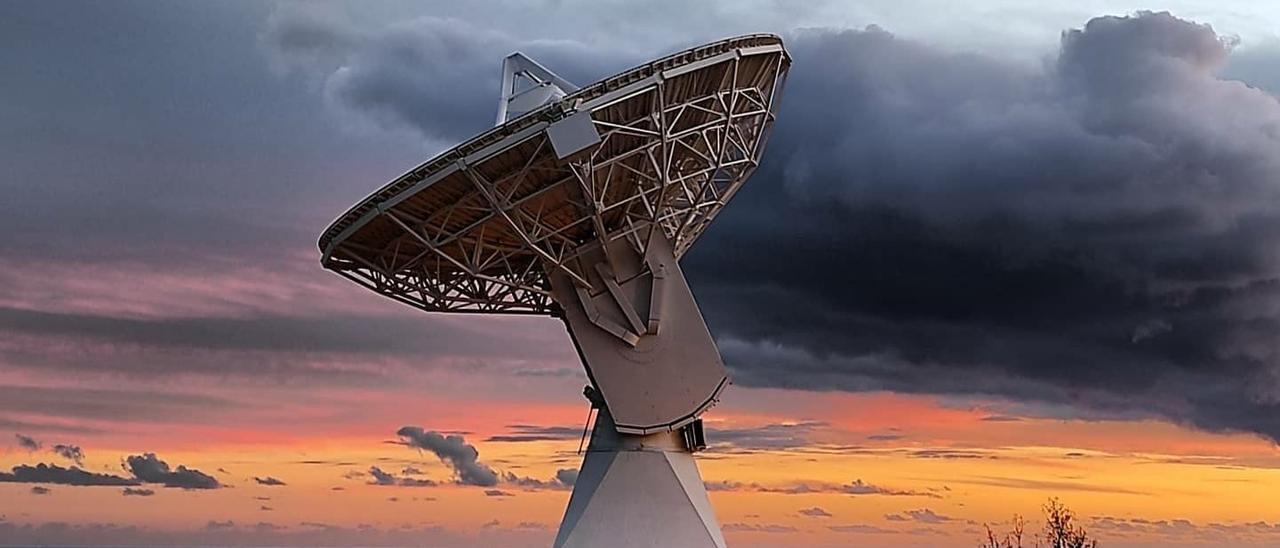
{"x":996,"y":252}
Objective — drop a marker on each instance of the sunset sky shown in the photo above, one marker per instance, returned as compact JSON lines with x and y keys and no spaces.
{"x":997,"y":252}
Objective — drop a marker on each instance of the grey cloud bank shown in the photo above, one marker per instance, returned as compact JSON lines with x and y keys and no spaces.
{"x":1099,"y":232}
{"x":145,"y":468}
{"x":150,"y":469}
{"x":54,"y":474}
{"x":1096,"y":231}
{"x":436,"y":75}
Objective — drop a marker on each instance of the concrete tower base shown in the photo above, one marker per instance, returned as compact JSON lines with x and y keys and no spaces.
{"x":637,"y":491}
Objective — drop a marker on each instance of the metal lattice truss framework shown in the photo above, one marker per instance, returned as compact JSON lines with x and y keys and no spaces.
{"x":481,"y":232}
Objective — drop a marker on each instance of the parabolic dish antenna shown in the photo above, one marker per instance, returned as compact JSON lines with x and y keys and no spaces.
{"x":579,"y":205}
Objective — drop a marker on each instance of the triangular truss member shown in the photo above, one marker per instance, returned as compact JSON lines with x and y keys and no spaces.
{"x":527,"y":85}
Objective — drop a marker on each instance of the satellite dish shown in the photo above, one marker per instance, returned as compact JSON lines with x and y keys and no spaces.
{"x":579,"y":205}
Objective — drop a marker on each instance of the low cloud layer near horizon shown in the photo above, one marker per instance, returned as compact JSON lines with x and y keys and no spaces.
{"x":1097,"y":231}
{"x":145,"y":468}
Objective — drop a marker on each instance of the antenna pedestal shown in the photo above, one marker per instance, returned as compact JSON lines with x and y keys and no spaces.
{"x":638,"y":490}
{"x":640,"y":335}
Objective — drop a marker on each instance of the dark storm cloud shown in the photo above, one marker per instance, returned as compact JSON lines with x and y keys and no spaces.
{"x":150,"y":469}
{"x":1099,"y":231}
{"x":1095,"y":231}
{"x":269,"y":481}
{"x":38,"y":490}
{"x":52,"y":473}
{"x":400,"y":78}
{"x":304,"y":36}
{"x":454,"y":451}
{"x":131,"y":492}
{"x":436,"y":75}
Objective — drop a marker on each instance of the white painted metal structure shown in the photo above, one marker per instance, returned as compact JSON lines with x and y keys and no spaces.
{"x":526,"y":86}
{"x":638,"y":491}
{"x":579,"y":205}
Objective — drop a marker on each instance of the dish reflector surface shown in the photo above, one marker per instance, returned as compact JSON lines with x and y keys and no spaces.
{"x":658,"y":149}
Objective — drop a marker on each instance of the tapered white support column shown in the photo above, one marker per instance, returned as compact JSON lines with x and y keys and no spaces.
{"x":637,"y":491}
